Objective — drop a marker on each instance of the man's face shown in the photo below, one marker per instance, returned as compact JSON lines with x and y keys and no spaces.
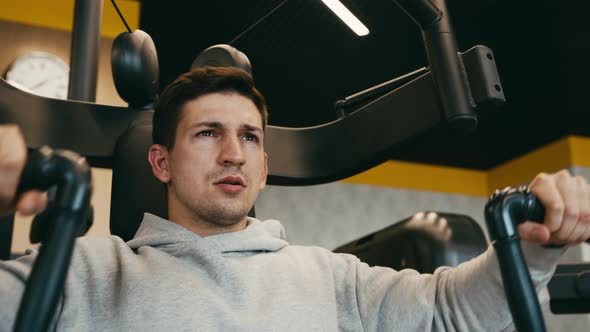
{"x":217,"y":166}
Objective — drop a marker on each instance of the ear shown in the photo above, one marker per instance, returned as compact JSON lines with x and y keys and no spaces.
{"x":264,"y":172}
{"x":159,"y":160}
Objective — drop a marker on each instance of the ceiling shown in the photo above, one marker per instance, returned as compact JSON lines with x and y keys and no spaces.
{"x":304,"y":59}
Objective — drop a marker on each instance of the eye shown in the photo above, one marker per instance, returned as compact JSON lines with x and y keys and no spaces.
{"x":251,"y":137}
{"x":207,"y":133}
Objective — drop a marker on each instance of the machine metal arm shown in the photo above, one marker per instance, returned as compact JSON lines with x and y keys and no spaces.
{"x":299,"y":156}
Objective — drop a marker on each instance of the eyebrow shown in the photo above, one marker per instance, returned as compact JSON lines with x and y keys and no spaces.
{"x":250,"y":128}
{"x":215,"y":124}
{"x":208,"y":124}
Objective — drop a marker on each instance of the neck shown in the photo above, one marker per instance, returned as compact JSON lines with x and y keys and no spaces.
{"x":178,"y":214}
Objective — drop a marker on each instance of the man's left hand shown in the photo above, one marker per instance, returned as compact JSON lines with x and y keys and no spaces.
{"x":567,"y":210}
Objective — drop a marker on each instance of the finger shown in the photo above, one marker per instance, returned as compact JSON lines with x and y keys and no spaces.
{"x":12,"y":159}
{"x":581,"y":224}
{"x":534,"y":232}
{"x":585,"y":236}
{"x":567,"y":187}
{"x":544,"y":187}
{"x":584,"y":195}
{"x":576,"y":233}
{"x":31,"y":202}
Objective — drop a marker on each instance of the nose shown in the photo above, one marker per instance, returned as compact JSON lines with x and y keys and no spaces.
{"x":232,"y":153}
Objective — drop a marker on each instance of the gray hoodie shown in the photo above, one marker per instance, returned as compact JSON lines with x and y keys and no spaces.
{"x":170,"y":279}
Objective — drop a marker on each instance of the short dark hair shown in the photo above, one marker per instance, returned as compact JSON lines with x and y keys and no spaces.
{"x":196,"y":83}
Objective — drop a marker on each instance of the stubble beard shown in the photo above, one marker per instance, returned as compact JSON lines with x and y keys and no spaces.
{"x":219,"y":214}
{"x":214,"y":210}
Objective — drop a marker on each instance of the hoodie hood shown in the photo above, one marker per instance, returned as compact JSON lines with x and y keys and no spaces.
{"x":258,"y":236}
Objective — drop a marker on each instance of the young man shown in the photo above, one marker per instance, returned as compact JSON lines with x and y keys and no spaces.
{"x":210,"y":267}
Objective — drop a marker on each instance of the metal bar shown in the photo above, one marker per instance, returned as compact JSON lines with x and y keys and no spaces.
{"x":449,"y":73}
{"x":381,"y":88}
{"x":6,"y":228}
{"x":447,"y":68}
{"x":87,"y":128}
{"x":84,"y":50}
{"x":92,"y":130}
{"x":333,"y":151}
{"x":423,"y":12}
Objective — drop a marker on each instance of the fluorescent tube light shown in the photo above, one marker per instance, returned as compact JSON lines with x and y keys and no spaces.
{"x":347,"y":17}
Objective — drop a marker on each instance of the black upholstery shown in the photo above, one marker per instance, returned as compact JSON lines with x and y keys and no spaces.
{"x":422,"y":242}
{"x":135,"y":190}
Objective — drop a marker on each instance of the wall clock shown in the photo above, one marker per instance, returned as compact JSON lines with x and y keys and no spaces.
{"x":40,"y":73}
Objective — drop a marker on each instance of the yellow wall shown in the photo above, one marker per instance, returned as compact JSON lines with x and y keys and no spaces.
{"x":424,"y":177}
{"x":59,"y":14}
{"x":564,"y":153}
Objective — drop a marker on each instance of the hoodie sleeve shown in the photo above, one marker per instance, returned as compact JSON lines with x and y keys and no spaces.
{"x":469,"y":297}
{"x":13,"y":278}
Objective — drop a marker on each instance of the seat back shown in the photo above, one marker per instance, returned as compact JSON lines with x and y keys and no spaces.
{"x":135,"y":189}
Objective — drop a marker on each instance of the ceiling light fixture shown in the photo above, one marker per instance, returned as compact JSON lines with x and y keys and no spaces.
{"x":347,"y":17}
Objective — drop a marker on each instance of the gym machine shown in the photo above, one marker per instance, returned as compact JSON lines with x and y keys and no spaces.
{"x":447,"y":91}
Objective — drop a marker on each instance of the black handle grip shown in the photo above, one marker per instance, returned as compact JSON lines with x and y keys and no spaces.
{"x":518,"y":286}
{"x":70,"y":174}
{"x":534,"y":210}
{"x":503,"y":212}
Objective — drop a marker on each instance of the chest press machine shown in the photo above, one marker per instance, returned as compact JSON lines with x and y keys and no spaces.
{"x":448,"y":91}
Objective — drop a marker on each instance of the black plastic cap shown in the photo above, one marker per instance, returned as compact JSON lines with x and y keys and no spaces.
{"x":464,"y":124}
{"x":135,"y":68}
{"x":223,"y":55}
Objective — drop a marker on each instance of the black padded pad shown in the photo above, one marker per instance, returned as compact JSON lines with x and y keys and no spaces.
{"x":422,"y":242}
{"x":135,"y":189}
{"x":134,"y":63}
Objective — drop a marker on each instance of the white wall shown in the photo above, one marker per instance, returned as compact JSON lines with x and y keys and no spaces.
{"x":333,"y":214}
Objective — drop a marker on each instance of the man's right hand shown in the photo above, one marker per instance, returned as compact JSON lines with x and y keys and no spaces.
{"x":13,"y":155}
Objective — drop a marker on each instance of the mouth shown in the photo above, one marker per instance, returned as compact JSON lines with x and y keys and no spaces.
{"x":232,"y":180}
{"x":231,"y":184}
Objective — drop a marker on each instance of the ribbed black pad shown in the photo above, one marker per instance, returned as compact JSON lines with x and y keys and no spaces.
{"x":135,"y":189}
{"x":422,"y":242}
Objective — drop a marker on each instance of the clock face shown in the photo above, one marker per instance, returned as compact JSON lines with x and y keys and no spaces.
{"x":40,"y":73}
